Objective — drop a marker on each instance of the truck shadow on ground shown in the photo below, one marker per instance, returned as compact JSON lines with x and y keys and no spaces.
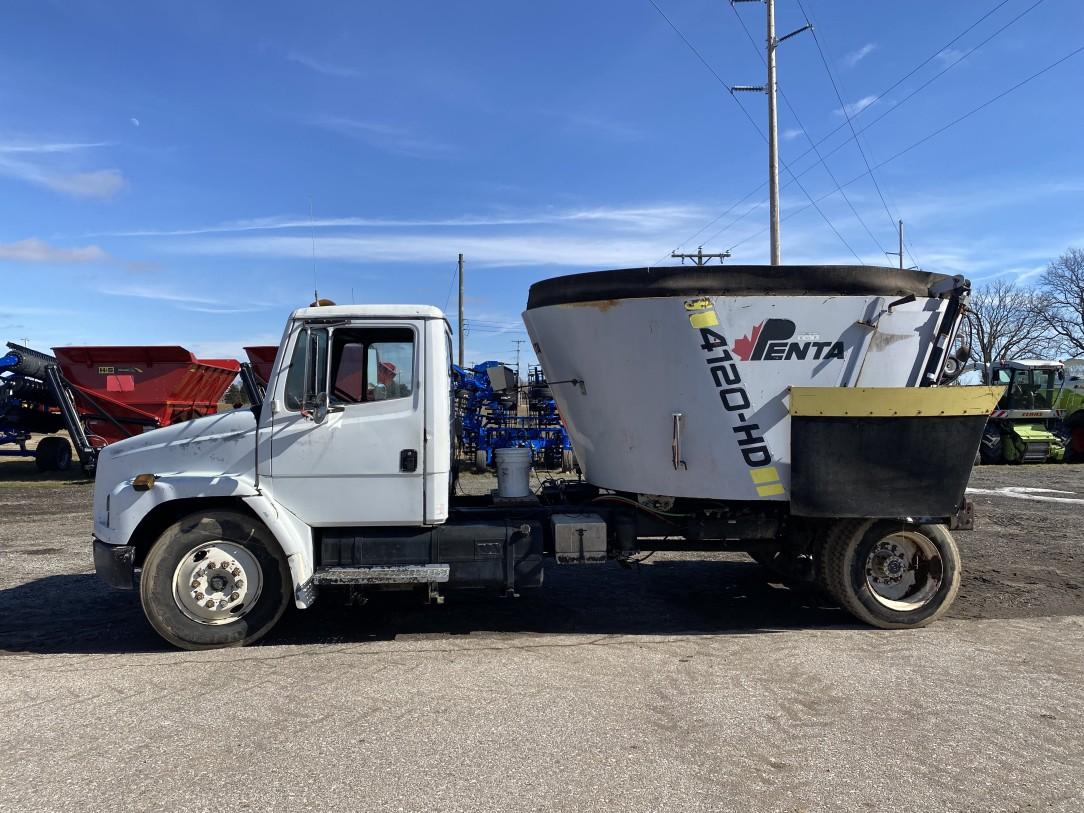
{"x":77,"y":614}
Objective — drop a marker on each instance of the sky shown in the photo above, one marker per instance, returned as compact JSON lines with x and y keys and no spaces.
{"x":188,"y":173}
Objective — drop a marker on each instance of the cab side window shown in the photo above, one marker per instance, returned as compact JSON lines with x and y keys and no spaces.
{"x":371,"y":364}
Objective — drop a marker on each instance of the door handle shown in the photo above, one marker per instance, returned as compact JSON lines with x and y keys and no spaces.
{"x":408,"y":460}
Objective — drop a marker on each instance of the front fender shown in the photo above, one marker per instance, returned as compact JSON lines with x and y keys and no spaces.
{"x":295,"y":539}
{"x":125,"y":507}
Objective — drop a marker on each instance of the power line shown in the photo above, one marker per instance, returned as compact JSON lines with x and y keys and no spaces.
{"x":906,"y":98}
{"x":805,"y":132}
{"x":850,"y":122}
{"x":896,"y":106}
{"x":881,"y":95}
{"x":935,"y":133}
{"x":741,"y":107}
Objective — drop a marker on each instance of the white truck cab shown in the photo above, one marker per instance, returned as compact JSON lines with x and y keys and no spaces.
{"x":355,"y":431}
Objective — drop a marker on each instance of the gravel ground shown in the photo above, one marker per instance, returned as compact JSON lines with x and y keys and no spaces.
{"x":686,"y":684}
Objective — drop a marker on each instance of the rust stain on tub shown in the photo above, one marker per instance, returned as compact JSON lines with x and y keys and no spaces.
{"x":601,"y":305}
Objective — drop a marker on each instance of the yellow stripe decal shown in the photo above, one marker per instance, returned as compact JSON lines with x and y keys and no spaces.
{"x":705,"y":319}
{"x":770,"y":491}
{"x":766,"y":475}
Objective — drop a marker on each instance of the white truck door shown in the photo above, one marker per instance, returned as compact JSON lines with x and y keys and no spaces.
{"x":363,"y":464}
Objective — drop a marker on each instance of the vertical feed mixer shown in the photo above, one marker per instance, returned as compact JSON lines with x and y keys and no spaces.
{"x":763,"y":384}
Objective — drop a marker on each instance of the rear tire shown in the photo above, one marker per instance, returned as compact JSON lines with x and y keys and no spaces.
{"x":223,"y":558}
{"x":568,"y":460}
{"x":53,"y":454}
{"x":892,"y":574}
{"x":480,"y":462}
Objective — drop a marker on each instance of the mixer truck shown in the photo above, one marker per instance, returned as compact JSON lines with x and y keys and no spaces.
{"x":797,"y":413}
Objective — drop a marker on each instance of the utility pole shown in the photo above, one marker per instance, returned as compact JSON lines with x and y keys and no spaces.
{"x":700,"y":258}
{"x":773,"y":124}
{"x":773,"y":140}
{"x":461,"y":336}
{"x":900,"y":252}
{"x":517,"y":343}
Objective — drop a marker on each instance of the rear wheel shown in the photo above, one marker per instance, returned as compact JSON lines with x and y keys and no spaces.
{"x":480,"y":462}
{"x":53,"y":454}
{"x":568,"y":460}
{"x":892,"y":574}
{"x":215,"y":579}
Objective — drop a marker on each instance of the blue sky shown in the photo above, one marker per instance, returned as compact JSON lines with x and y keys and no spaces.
{"x":158,"y":161}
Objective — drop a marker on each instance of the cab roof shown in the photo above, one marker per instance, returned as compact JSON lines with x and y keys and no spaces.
{"x":369,"y":312}
{"x":1030,"y":364}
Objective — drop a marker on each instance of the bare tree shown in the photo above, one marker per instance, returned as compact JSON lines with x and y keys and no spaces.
{"x":1006,"y":322}
{"x":1062,"y":285}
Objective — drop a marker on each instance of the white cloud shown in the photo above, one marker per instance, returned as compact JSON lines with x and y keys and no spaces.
{"x":51,"y":147}
{"x":34,"y":250}
{"x":854,"y":57}
{"x":854,"y":108}
{"x":633,"y":218}
{"x":950,"y":55}
{"x":134,"y":121}
{"x":183,"y":300}
{"x":319,"y":66}
{"x":36,"y":164}
{"x":790,"y":135}
{"x":386,"y":137}
{"x":487,"y":250}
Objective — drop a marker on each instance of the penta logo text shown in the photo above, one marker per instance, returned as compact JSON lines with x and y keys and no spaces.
{"x":771,"y":341}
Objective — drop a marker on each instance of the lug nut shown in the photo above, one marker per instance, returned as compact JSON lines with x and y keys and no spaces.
{"x":199,"y":596}
{"x":210,"y":604}
{"x":239,"y":583}
{"x":234,"y":596}
{"x":195,"y":582}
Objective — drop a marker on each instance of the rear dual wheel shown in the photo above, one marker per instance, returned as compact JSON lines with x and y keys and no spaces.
{"x":891,"y":574}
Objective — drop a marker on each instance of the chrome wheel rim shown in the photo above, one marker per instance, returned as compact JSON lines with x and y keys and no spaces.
{"x":217,"y":583}
{"x":904,"y":571}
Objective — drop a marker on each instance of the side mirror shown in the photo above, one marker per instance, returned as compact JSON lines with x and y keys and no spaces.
{"x":320,"y":408}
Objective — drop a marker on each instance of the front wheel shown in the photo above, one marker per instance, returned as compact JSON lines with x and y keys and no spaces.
{"x":892,"y":574}
{"x":990,"y":448}
{"x":215,"y":579}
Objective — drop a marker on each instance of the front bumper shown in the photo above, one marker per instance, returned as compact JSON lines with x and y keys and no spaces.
{"x":115,"y":564}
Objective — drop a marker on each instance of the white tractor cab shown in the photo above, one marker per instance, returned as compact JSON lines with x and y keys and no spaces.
{"x":1027,"y":426}
{"x":790,"y":412}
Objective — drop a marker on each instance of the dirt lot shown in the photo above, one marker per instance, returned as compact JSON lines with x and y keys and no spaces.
{"x":681,"y":684}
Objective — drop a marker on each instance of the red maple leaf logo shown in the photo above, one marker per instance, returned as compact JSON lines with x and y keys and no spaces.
{"x":743,"y":347}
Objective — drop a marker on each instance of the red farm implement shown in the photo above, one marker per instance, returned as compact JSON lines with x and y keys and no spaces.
{"x":256,"y":372}
{"x":102,"y":395}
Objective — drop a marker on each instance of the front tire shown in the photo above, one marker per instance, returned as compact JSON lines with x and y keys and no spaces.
{"x":990,"y":447}
{"x":215,"y":579}
{"x":892,"y":574}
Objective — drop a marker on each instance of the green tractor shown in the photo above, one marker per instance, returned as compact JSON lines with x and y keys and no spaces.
{"x":1027,"y":424}
{"x":1071,"y":405}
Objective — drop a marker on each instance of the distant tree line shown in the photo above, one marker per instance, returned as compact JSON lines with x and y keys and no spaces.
{"x":1008,"y":320}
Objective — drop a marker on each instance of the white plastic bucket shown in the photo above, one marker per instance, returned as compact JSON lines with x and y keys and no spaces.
{"x":513,"y":468}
